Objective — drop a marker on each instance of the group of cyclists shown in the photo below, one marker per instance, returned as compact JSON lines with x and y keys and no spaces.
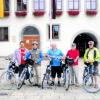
{"x":56,"y":56}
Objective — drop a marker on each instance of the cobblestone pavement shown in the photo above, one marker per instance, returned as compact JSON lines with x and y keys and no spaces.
{"x":55,"y":93}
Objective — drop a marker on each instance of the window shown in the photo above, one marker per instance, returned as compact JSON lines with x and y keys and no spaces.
{"x":21,"y":5}
{"x":29,"y":30}
{"x":39,"y":4}
{"x":73,"y":4}
{"x":6,"y":5}
{"x":3,"y":33}
{"x":55,"y":32}
{"x":91,"y":4}
{"x":59,"y":4}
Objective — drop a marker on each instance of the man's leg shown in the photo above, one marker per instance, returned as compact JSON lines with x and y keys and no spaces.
{"x":53,"y":74}
{"x":21,"y":67}
{"x":95,"y":72}
{"x":72,"y":75}
{"x":39,"y":78}
{"x":37,"y":71}
{"x":75,"y":69}
{"x":59,"y":70}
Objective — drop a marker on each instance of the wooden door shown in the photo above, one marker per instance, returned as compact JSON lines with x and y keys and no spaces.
{"x":28,"y":40}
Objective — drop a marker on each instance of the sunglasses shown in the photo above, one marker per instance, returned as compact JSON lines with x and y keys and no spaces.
{"x":90,"y":44}
{"x":34,"y":44}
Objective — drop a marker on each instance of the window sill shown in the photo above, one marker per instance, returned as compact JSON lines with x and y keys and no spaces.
{"x":73,"y":12}
{"x":91,"y":12}
{"x":58,"y":12}
{"x":6,"y":13}
{"x":38,"y":13}
{"x":21,"y":13}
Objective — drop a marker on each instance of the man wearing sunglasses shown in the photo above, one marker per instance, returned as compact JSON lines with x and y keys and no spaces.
{"x":92,"y":57}
{"x":36,"y":55}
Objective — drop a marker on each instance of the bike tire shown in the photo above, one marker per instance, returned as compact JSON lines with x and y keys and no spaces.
{"x":7,"y":81}
{"x":88,"y":84}
{"x":31,"y":79}
{"x":66,"y":80}
{"x":46,"y":81}
{"x":21,"y":80}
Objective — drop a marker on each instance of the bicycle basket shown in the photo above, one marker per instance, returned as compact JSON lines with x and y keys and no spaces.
{"x":69,"y":61}
{"x":30,"y":62}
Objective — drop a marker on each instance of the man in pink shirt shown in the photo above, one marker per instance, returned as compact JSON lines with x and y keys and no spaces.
{"x":74,"y":54}
{"x":19,"y":56}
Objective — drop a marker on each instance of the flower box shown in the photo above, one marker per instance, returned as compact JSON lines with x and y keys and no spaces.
{"x":38,"y":13}
{"x":73,"y":12}
{"x":6,"y":13}
{"x":91,"y":12}
{"x":21,"y":13}
{"x":58,"y":13}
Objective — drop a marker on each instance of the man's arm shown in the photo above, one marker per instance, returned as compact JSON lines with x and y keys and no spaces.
{"x":85,"y":56}
{"x":27,"y":55}
{"x":40,"y":58}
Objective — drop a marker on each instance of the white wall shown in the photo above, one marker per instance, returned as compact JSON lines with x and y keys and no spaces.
{"x":70,"y":27}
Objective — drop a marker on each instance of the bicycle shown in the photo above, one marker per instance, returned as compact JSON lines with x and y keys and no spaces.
{"x":26,"y":75}
{"x":47,"y":78}
{"x":89,"y":83}
{"x":66,"y":72}
{"x":8,"y":78}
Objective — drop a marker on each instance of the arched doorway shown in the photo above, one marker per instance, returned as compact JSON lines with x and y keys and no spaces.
{"x":82,"y":42}
{"x":30,"y":34}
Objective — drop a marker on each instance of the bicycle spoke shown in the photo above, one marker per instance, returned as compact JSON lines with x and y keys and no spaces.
{"x":7,"y":81}
{"x":91,"y":84}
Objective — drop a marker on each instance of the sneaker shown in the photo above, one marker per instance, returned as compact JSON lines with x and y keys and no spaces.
{"x":96,"y":86}
{"x":52,"y":83}
{"x":77,"y":85}
{"x":23,"y":83}
{"x":39,"y":86}
{"x":35,"y":84}
{"x":59,"y":83}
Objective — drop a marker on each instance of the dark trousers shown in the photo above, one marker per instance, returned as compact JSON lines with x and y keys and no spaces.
{"x":21,"y":67}
{"x":56,"y":70}
{"x":95,"y":68}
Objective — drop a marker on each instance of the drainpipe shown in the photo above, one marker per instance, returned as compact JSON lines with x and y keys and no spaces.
{"x":52,"y":12}
{"x":50,"y":15}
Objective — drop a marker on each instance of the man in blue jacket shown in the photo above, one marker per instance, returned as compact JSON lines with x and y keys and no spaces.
{"x":36,"y":55}
{"x":55,"y":55}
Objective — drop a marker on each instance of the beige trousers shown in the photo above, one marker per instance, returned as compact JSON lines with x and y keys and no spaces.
{"x":74,"y":74}
{"x":37,"y":73}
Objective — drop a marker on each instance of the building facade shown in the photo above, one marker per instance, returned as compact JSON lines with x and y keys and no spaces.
{"x":76,"y":21}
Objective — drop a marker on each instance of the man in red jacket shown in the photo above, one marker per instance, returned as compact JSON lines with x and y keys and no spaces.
{"x":74,"y":54}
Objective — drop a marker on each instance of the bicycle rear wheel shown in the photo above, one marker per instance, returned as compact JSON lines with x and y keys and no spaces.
{"x":7,"y":81}
{"x":90,"y":85}
{"x":46,"y":81}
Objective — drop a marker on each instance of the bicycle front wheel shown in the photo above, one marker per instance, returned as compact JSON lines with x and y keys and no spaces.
{"x":21,"y":80}
{"x":46,"y":81}
{"x":7,"y":81}
{"x":32,"y":78}
{"x":66,"y":80}
{"x":91,"y":83}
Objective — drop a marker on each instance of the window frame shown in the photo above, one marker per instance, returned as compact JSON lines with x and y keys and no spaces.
{"x":90,"y":4}
{"x":39,"y":5}
{"x":7,"y":34}
{"x":53,"y":32}
{"x":73,"y":5}
{"x":60,"y":5}
{"x":8,"y":6}
{"x":22,"y":6}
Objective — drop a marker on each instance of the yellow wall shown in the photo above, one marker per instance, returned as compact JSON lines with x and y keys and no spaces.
{"x":1,"y":8}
